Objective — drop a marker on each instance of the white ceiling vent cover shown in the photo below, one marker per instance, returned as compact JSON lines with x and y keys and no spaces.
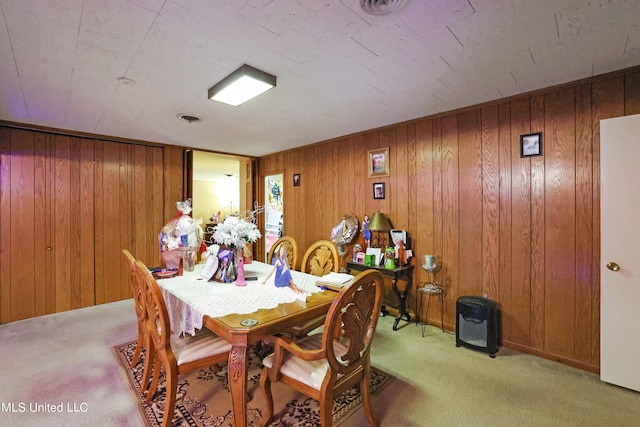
{"x":382,"y":7}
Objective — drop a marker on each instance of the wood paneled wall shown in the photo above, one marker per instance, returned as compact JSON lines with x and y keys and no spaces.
{"x":68,"y":206}
{"x":522,"y":231}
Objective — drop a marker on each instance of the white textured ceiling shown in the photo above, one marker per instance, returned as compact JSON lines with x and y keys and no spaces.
{"x":339,"y":70}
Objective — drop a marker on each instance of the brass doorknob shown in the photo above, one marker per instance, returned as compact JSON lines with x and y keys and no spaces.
{"x":613,"y":266}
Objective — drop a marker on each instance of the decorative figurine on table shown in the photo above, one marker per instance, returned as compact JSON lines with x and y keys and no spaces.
{"x":402,"y":254}
{"x":283,"y":274}
{"x":366,"y":232}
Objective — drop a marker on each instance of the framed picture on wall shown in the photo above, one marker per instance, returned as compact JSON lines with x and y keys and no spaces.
{"x":378,"y":162}
{"x":296,"y":179}
{"x":378,"y":190}
{"x":531,"y":144}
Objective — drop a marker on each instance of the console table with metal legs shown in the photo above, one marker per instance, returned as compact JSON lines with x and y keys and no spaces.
{"x":405,"y":273}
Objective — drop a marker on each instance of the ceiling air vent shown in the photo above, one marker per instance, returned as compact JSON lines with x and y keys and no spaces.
{"x":189,"y":119}
{"x":381,"y":7}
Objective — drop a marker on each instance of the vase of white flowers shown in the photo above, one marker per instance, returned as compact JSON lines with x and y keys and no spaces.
{"x":235,"y":232}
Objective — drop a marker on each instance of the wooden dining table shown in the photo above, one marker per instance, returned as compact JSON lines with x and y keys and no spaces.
{"x":241,"y":329}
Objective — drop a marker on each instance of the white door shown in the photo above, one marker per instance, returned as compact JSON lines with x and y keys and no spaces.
{"x":620,"y":251}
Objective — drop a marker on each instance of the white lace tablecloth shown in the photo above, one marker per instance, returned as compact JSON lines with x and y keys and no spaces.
{"x":189,"y":297}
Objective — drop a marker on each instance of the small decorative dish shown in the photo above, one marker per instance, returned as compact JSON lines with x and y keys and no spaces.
{"x":164,"y":273}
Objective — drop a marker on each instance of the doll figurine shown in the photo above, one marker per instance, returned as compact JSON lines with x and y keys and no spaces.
{"x":365,"y":230}
{"x":283,"y":274}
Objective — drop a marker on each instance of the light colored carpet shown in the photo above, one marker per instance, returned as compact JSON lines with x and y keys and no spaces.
{"x":67,"y":358}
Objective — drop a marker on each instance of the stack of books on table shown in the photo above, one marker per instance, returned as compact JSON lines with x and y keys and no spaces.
{"x":335,"y":281}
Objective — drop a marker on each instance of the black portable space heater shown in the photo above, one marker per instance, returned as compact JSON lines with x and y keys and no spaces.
{"x":477,"y":324}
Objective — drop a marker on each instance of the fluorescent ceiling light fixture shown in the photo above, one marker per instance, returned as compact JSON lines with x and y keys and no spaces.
{"x":242,"y":85}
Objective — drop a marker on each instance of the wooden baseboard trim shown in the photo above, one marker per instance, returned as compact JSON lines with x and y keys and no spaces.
{"x":595,"y":369}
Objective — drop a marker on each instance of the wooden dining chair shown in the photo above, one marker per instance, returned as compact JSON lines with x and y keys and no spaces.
{"x":130,"y":263}
{"x":144,"y":339}
{"x":324,"y":365}
{"x":319,"y":259}
{"x":291,"y":246}
{"x":177,"y":356}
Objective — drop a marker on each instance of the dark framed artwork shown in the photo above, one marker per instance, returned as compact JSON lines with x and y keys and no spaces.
{"x":531,"y":144}
{"x":378,"y":162}
{"x":296,"y":179}
{"x":378,"y":190}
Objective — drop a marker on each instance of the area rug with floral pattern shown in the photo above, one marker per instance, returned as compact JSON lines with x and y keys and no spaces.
{"x":203,"y":397}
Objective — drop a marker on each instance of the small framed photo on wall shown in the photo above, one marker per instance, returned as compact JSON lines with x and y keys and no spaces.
{"x":378,"y":190}
{"x":531,"y":144}
{"x":296,"y":180}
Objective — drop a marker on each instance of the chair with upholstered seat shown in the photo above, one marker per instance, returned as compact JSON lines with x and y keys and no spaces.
{"x":291,"y":247}
{"x":324,"y":365}
{"x":319,"y":259}
{"x":179,"y":355}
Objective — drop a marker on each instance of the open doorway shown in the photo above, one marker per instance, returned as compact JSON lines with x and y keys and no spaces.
{"x":221,"y":186}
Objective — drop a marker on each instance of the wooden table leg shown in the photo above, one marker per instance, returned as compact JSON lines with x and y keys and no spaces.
{"x":237,"y":368}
